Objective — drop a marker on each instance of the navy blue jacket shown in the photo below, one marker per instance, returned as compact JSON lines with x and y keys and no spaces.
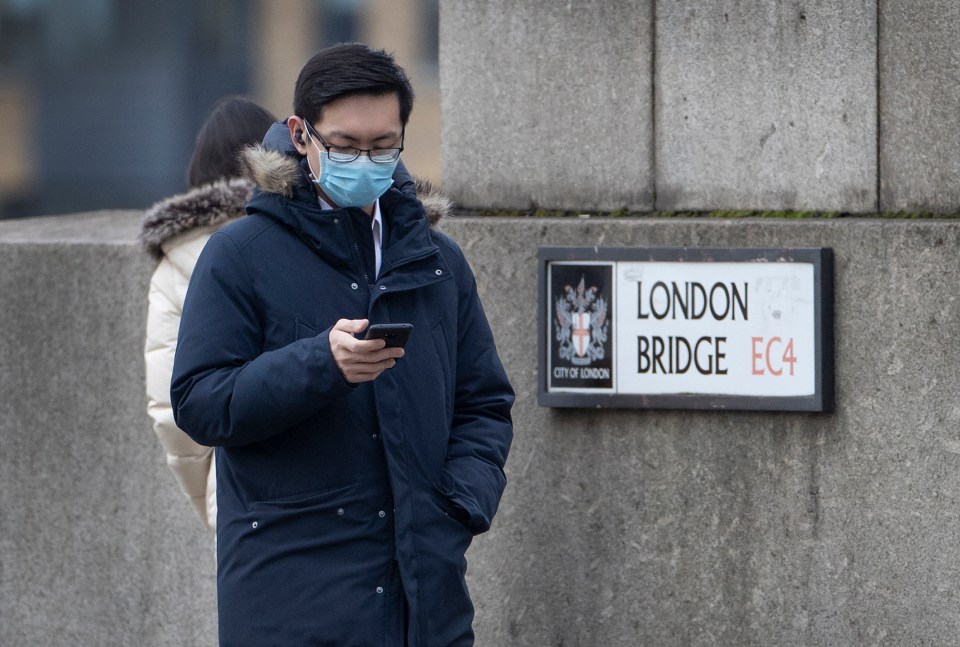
{"x":337,"y":500}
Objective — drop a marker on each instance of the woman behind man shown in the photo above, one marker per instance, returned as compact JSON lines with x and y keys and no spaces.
{"x":174,"y":231}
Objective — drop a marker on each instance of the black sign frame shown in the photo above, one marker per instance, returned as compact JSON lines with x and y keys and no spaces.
{"x":822,"y":400}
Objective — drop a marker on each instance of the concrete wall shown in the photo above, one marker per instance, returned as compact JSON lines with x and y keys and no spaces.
{"x":97,"y":545}
{"x":702,"y":104}
{"x":766,"y":105}
{"x":547,"y":106}
{"x":920,"y":105}
{"x":621,"y":528}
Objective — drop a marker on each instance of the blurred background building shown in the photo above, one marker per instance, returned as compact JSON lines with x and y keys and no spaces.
{"x":100,"y":100}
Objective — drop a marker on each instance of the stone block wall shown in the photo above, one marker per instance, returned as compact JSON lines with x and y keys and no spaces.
{"x":646,"y":105}
{"x":618,"y":527}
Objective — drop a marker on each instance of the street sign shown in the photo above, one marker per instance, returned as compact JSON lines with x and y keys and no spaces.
{"x":686,"y":328}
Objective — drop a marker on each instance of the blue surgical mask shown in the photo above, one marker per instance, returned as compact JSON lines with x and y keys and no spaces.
{"x":354,"y":184}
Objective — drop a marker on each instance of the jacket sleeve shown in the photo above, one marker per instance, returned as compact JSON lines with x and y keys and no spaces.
{"x":226,"y":390}
{"x":482,"y":429}
{"x":189,"y":461}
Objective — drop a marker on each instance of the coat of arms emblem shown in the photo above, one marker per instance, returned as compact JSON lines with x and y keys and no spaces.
{"x":581,"y":325}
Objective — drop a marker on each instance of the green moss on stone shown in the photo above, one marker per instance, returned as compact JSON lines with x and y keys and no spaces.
{"x":719,"y":213}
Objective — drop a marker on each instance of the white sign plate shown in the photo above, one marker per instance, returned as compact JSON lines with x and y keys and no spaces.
{"x":686,"y":328}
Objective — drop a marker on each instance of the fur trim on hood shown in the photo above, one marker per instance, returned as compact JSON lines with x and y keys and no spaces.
{"x":205,"y":206}
{"x":275,"y":172}
{"x":435,"y":201}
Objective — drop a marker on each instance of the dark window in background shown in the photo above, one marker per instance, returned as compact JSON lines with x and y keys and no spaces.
{"x":114,"y":92}
{"x":100,"y":100}
{"x":338,"y":21}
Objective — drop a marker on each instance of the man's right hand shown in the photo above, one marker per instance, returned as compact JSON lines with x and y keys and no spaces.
{"x":360,"y":360}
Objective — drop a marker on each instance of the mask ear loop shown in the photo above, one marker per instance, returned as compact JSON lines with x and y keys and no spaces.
{"x":315,"y":178}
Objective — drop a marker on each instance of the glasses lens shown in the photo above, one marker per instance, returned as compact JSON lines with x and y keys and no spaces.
{"x":343,"y":154}
{"x":384,"y":155}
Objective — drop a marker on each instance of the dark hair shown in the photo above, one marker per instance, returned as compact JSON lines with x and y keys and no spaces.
{"x":234,"y":123}
{"x":349,"y":69}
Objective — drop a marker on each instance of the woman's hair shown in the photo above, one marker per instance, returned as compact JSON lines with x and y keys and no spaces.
{"x":236,"y":122}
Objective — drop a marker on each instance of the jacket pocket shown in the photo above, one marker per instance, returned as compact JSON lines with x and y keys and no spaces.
{"x":460,"y":505}
{"x":327,"y":518}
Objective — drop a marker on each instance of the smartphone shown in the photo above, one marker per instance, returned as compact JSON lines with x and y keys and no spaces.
{"x":395,"y":334}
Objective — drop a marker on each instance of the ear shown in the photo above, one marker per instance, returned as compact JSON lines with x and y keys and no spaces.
{"x":295,"y":124}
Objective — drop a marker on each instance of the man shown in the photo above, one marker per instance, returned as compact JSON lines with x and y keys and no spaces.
{"x":351,"y":476}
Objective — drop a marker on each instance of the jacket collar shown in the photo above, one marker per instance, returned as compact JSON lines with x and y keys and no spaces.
{"x":285,"y":193}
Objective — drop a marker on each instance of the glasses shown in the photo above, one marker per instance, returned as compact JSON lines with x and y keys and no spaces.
{"x":349,"y":153}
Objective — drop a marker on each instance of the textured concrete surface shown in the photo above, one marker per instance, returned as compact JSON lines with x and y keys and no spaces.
{"x":97,"y":546}
{"x":766,"y":105}
{"x":657,"y":528}
{"x":699,"y":104}
{"x":623,"y":528}
{"x":547,"y":104}
{"x":920,"y":105}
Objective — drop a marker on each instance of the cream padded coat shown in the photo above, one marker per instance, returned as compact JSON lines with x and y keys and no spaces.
{"x":175,"y":231}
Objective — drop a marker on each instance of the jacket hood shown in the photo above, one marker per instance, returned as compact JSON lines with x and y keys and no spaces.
{"x":205,"y":206}
{"x":273,"y":171}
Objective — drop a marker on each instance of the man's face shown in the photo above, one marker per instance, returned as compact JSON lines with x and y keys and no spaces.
{"x":358,"y":121}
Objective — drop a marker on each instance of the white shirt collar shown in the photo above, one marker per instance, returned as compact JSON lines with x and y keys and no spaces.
{"x":377,"y":226}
